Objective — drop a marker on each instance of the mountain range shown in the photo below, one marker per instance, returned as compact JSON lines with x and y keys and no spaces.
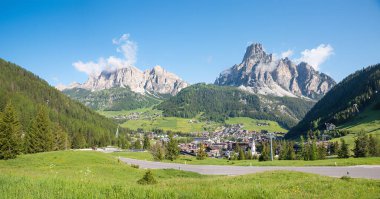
{"x":154,"y":81}
{"x":262,"y":73}
{"x":261,"y":86}
{"x":126,"y":88}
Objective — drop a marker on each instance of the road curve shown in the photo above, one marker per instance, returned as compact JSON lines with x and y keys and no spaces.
{"x":365,"y":171}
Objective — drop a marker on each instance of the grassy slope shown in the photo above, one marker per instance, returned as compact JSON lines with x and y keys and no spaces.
{"x":251,"y":124}
{"x":166,"y":123}
{"x":367,"y":121}
{"x":95,"y":175}
{"x":127,"y":112}
{"x":214,"y":161}
{"x":183,"y":124}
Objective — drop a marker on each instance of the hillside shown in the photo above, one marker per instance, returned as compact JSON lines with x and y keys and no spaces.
{"x":218,"y":103}
{"x":113,"y":99}
{"x":345,"y":104}
{"x":27,"y":91}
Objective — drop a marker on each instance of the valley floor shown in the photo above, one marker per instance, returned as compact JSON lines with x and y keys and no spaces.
{"x":149,"y":118}
{"x":75,"y":174}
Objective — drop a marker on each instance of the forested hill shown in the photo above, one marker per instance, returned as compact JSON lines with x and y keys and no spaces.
{"x":113,"y":99}
{"x":221,"y":102}
{"x":27,"y":92}
{"x":344,"y":102}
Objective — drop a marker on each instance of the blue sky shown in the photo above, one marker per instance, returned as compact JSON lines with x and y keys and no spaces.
{"x":193,"y":39}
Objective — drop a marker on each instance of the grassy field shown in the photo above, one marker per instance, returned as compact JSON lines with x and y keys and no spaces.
{"x":184,"y":124}
{"x":185,"y":159}
{"x":166,"y":123}
{"x":127,"y":112}
{"x":251,"y":124}
{"x":73,"y":174}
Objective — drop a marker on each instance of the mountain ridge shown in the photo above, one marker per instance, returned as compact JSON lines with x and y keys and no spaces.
{"x":261,"y":73}
{"x":154,"y":81}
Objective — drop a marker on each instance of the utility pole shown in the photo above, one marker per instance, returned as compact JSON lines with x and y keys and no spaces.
{"x":271,"y":148}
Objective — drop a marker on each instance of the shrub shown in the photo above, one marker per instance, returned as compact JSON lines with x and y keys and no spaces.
{"x":135,"y":166}
{"x":147,"y":179}
{"x":201,"y":154}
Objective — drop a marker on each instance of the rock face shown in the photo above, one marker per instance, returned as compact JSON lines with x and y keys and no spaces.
{"x":156,"y":80}
{"x":262,"y":74}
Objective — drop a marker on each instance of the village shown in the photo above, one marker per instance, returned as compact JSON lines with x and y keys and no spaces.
{"x":221,"y":144}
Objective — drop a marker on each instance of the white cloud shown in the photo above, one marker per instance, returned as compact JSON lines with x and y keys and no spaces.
{"x":126,"y":47}
{"x":316,"y":56}
{"x":287,"y":53}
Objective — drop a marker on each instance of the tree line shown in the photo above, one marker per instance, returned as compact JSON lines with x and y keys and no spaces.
{"x":42,"y":135}
{"x":28,"y":92}
{"x":310,"y":149}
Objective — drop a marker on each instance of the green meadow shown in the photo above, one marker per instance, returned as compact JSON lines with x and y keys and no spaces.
{"x":74,"y":174}
{"x":187,"y":125}
{"x":252,"y":124}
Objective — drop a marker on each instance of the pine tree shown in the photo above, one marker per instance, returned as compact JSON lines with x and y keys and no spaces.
{"x":78,"y":141}
{"x":43,"y":134}
{"x":248,"y":155}
{"x":333,"y":148}
{"x":313,"y":150}
{"x":10,"y":133}
{"x":321,"y":151}
{"x":264,"y":153}
{"x":343,"y":150}
{"x":373,"y":146}
{"x":137,"y":144}
{"x":201,"y":153}
{"x":61,"y":140}
{"x":122,"y":142}
{"x":291,"y":155}
{"x":307,"y":149}
{"x":172,"y":150}
{"x":241,"y":154}
{"x":31,"y":144}
{"x":361,"y":145}
{"x":302,"y":150}
{"x":283,"y":151}
{"x":146,"y":142}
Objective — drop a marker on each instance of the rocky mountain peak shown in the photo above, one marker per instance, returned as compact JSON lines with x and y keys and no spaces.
{"x":255,"y":52}
{"x":158,"y":68}
{"x":260,"y":73}
{"x":156,"y":80}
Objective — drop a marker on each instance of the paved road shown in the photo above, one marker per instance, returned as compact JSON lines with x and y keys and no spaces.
{"x":371,"y":172}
